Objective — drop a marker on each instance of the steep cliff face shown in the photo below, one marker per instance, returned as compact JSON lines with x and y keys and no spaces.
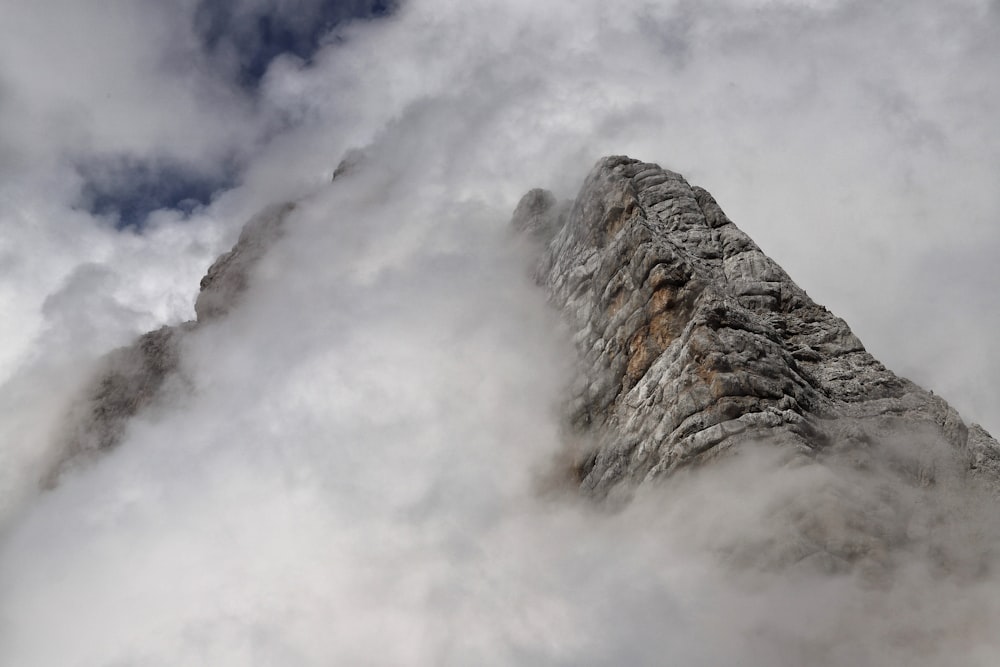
{"x":693,"y":341}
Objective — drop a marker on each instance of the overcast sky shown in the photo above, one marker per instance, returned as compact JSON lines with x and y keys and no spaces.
{"x":856,"y":142}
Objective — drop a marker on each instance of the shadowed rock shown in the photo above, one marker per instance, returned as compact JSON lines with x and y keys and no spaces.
{"x":130,"y":378}
{"x":692,"y":343}
{"x":229,"y":275}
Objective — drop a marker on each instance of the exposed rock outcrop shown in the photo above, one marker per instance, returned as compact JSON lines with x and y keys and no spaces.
{"x":229,"y":275}
{"x":692,"y":343}
{"x":130,"y":378}
{"x":693,"y":340}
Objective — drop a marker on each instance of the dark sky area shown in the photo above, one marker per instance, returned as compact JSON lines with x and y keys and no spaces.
{"x":251,"y":38}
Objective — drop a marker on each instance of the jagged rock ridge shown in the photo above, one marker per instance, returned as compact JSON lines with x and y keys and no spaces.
{"x":692,"y":340}
{"x":130,"y":378}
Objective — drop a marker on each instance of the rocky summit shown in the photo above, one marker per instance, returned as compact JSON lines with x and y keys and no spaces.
{"x":693,"y":341}
{"x":693,"y":346}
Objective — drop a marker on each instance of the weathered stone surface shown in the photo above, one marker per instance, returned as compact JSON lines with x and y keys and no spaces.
{"x":692,"y":340}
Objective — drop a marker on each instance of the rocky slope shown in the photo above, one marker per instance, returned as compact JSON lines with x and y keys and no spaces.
{"x":693,"y":341}
{"x":129,"y":379}
{"x":693,"y":344}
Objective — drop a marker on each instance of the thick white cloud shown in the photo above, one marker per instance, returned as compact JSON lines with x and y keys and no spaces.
{"x":351,"y":472}
{"x":122,"y":76}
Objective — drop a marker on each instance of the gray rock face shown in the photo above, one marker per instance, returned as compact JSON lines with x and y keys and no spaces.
{"x":228,"y":276}
{"x":130,"y":378}
{"x":693,"y":341}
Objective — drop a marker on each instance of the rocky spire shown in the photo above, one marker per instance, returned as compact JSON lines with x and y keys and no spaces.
{"x":693,"y":341}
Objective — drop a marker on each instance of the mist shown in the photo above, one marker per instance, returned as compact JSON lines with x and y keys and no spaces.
{"x":356,"y":464}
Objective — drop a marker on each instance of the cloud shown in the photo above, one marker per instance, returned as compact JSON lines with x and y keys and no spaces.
{"x":348,"y":469}
{"x":127,"y":191}
{"x":129,"y":79}
{"x":245,"y":37}
{"x":166,"y":88}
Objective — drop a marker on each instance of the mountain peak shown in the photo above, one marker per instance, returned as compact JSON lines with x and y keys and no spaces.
{"x":693,"y":341}
{"x":693,"y":347}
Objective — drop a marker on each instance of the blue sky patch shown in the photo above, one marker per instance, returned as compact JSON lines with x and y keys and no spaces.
{"x":246,"y":39}
{"x":243,"y":38}
{"x":128,"y":189}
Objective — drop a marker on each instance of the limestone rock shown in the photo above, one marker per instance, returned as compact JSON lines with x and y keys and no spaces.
{"x":692,"y":340}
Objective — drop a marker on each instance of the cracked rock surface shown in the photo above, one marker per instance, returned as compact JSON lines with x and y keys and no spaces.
{"x":693,"y":341}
